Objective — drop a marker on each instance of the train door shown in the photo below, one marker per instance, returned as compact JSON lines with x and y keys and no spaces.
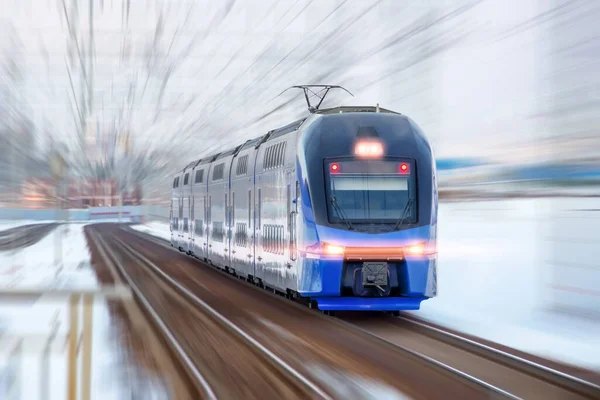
{"x":180,"y":224}
{"x":241,"y":241}
{"x":259,"y":239}
{"x":230,"y":223}
{"x":292,"y":211}
{"x":207,"y":218}
{"x":191,"y":237}
{"x":172,"y":222}
{"x":293,"y":191}
{"x":251,"y":236}
{"x":198,"y":212}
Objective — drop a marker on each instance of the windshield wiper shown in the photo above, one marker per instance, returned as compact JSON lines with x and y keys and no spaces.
{"x":404,"y":214}
{"x":340,"y":213}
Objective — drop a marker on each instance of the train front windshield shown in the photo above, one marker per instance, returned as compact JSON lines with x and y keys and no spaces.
{"x":371,"y":192}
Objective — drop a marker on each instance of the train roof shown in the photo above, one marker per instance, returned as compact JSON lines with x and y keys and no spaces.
{"x":354,"y":109}
{"x":272,"y":134}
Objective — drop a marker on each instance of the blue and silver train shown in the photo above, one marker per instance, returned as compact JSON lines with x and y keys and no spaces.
{"x":339,"y":208}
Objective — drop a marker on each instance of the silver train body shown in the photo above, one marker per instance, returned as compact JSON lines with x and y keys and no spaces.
{"x":259,"y":210}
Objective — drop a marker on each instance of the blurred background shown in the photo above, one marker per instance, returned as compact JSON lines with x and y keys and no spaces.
{"x":101,"y":101}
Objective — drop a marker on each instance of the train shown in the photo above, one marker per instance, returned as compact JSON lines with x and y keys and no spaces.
{"x":338,"y":209}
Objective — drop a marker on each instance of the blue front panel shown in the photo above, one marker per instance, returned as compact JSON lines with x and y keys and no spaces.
{"x":415,"y":276}
{"x":319,"y":277}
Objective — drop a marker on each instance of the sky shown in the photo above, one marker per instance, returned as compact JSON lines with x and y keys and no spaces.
{"x":490,"y":78}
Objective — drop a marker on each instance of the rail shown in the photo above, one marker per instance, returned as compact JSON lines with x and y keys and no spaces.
{"x":469,"y":379}
{"x":313,"y":387}
{"x":540,"y":371}
{"x":109,"y":256}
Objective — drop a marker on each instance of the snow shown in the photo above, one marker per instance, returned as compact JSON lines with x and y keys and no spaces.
{"x":38,"y":366}
{"x":155,"y":228}
{"x":8,"y":224}
{"x":43,"y":266}
{"x":497,"y":265}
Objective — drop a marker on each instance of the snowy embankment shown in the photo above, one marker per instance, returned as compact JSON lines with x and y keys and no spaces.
{"x":9,"y":224}
{"x":502,"y":265}
{"x":34,"y":332}
{"x":155,"y":228}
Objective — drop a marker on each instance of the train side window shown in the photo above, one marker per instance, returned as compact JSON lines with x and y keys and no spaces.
{"x":186,"y":179}
{"x":280,"y":154}
{"x":242,"y":166}
{"x":218,"y":172}
{"x":232,"y":208}
{"x":249,"y":207}
{"x":198,"y":228}
{"x":269,"y":157}
{"x":266,"y":158}
{"x":259,"y":207}
{"x":273,"y":156}
{"x":174,"y":183}
{"x":185,"y":224}
{"x":241,"y":235}
{"x":288,"y":204}
{"x":278,"y":239}
{"x":270,"y":238}
{"x":199,"y":176}
{"x":267,"y":238}
{"x":192,"y":200}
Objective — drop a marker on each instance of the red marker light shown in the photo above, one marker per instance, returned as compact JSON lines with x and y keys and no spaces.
{"x":335,"y":167}
{"x":403,"y":168}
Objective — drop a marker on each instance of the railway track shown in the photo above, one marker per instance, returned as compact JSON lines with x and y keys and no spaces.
{"x":562,"y":379}
{"x":273,"y":376}
{"x":499,"y":372}
{"x":519,"y":376}
{"x":24,"y":236}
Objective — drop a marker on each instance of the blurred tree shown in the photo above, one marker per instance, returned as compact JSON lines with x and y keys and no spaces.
{"x":17,"y":130}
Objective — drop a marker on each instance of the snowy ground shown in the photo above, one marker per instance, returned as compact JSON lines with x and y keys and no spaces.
{"x":500,"y":264}
{"x":37,"y":369}
{"x":155,"y":228}
{"x":507,"y":267}
{"x":8,"y":224}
